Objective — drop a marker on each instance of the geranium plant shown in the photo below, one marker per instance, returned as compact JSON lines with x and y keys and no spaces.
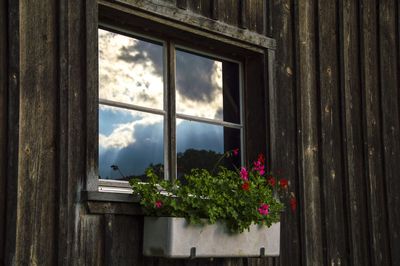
{"x":238,"y":197}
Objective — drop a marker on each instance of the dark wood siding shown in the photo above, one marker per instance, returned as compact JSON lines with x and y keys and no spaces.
{"x":3,"y":120}
{"x":333,"y":127}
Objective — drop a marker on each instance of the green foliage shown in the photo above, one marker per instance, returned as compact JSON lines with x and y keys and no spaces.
{"x":226,"y":196}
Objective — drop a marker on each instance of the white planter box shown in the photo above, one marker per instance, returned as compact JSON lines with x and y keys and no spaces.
{"x":175,"y":238}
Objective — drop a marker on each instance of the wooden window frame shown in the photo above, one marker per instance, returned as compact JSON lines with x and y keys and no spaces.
{"x":257,"y":82}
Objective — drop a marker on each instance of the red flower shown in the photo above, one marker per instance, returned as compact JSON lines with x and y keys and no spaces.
{"x":261,"y":158}
{"x":158,"y":204}
{"x":246,"y":186}
{"x":283,"y":183}
{"x":271,"y":181}
{"x":293,"y":204}
{"x":236,"y":151}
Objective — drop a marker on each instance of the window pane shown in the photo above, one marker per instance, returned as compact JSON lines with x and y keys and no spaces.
{"x":201,"y":145}
{"x":130,"y":70}
{"x":129,"y":142}
{"x":207,"y":87}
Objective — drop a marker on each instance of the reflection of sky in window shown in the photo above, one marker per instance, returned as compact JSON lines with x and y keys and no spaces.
{"x":199,"y":85}
{"x":199,"y":136}
{"x":129,"y":139}
{"x":130,"y":70}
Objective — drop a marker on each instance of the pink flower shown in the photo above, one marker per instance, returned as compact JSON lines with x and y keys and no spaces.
{"x":236,"y":151}
{"x":158,"y":204}
{"x":259,"y":166}
{"x":244,"y":174}
{"x":264,"y":209}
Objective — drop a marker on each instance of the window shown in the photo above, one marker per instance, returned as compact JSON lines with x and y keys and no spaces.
{"x":164,"y":105}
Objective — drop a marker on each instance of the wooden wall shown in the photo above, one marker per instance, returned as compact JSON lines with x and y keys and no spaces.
{"x":333,"y":125}
{"x":3,"y":119}
{"x":337,"y":123}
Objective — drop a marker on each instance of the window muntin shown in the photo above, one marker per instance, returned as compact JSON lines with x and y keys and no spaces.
{"x":223,"y":91}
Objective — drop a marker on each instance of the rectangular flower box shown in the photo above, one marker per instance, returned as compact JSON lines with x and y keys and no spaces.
{"x":174,"y":238}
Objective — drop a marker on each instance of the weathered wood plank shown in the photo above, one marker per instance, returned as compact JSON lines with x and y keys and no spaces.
{"x":242,"y":23}
{"x":3,"y":121}
{"x":189,"y":22}
{"x":182,"y":4}
{"x":123,"y":240}
{"x":389,"y":94}
{"x":35,"y":219}
{"x":201,"y":7}
{"x":96,"y":207}
{"x":282,"y":126}
{"x":254,"y":15}
{"x":214,"y":6}
{"x":12,"y":130}
{"x":229,"y":11}
{"x":72,"y":127}
{"x":353,"y":133}
{"x":378,"y":231}
{"x":91,"y":240}
{"x":309,"y":153}
{"x":335,"y":233}
{"x":91,"y":94}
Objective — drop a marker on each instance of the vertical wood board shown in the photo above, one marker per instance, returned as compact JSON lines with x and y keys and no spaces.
{"x":3,"y":121}
{"x":353,"y":148}
{"x":389,"y":95}
{"x":379,"y":246}
{"x":330,"y":139}
{"x":282,"y":126}
{"x":35,"y":220}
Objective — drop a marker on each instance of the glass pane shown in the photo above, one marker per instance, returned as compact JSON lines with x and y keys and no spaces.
{"x":129,"y":142}
{"x":207,"y":87}
{"x":201,"y":145}
{"x":130,"y":70}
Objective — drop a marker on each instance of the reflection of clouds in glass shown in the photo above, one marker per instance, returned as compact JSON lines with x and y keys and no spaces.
{"x":118,"y":126}
{"x":130,"y":70}
{"x":199,"y":85}
{"x":134,"y":158}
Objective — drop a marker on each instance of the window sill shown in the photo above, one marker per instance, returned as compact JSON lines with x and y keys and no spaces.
{"x":111,"y":203}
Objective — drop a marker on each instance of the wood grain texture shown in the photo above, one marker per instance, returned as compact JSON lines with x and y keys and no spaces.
{"x":72,"y":108}
{"x":353,"y":134}
{"x":379,"y":244}
{"x":92,"y":246}
{"x":123,"y":240}
{"x":229,"y":11}
{"x":333,"y":211}
{"x":254,"y":15}
{"x":282,"y":126}
{"x":12,"y":131}
{"x":389,"y":95}
{"x":35,"y":223}
{"x":309,"y":150}
{"x":3,"y":122}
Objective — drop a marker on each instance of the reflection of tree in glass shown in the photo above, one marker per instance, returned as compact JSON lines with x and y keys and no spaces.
{"x":188,"y":160}
{"x":157,"y":168}
{"x":209,"y":160}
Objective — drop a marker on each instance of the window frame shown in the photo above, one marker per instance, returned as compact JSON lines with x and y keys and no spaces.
{"x":168,"y":112}
{"x":256,"y":51}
